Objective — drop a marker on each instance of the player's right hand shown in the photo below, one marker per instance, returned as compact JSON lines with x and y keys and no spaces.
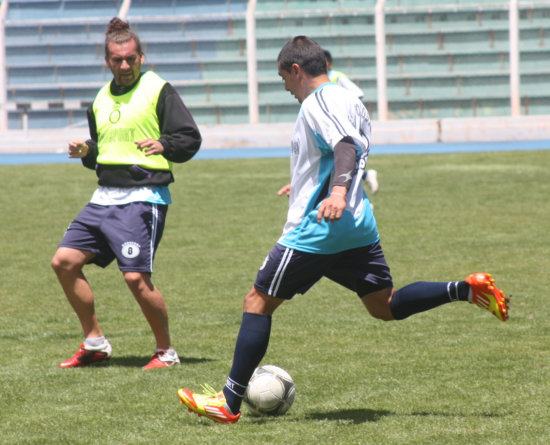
{"x":78,"y":149}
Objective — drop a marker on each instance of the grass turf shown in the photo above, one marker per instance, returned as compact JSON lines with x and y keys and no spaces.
{"x":454,"y":375}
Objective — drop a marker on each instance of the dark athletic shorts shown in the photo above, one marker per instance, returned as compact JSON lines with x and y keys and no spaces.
{"x":130,"y":233}
{"x":287,"y":272}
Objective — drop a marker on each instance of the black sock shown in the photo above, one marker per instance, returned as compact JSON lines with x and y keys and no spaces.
{"x":249,"y":350}
{"x":423,"y":295}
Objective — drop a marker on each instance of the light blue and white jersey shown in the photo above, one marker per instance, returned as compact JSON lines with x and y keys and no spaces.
{"x":327,"y":115}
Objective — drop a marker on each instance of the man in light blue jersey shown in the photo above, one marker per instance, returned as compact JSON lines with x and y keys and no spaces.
{"x":330,"y":230}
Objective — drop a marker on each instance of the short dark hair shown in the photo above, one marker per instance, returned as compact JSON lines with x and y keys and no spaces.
{"x":119,"y":31}
{"x":305,"y":52}
{"x":328,"y":55}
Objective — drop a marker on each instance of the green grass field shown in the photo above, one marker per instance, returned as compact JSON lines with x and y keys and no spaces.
{"x":454,"y":375}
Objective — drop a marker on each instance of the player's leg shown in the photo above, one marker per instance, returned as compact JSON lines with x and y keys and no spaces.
{"x":371,"y":178}
{"x":478,"y":288}
{"x":251,"y":345}
{"x":250,"y":348}
{"x":134,"y":235}
{"x":378,"y":303}
{"x":366,"y":271}
{"x":284,"y":273}
{"x":67,"y":264}
{"x":390,"y":304}
{"x":153,"y":306}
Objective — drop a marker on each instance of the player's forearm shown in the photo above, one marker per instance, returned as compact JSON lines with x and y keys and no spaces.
{"x":345,"y":153}
{"x":180,"y":135}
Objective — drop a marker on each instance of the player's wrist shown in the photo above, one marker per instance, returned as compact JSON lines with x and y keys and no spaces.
{"x":339,"y":191}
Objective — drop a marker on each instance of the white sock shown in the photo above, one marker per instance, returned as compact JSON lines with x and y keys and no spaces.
{"x":171,"y":352}
{"x":94,"y":342}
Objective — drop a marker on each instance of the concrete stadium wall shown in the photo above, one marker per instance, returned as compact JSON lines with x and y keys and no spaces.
{"x":278,"y":135}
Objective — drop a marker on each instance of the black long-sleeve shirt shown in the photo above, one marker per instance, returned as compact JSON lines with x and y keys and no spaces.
{"x":180,"y":138}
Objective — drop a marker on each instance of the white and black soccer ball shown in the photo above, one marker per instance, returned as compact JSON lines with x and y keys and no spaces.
{"x":271,"y":391}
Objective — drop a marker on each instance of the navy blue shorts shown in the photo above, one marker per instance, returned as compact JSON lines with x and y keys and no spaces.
{"x":130,"y":233}
{"x":287,"y":272}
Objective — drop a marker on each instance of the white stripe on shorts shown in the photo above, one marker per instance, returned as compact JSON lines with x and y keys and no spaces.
{"x":154,"y":228}
{"x":280,"y":272}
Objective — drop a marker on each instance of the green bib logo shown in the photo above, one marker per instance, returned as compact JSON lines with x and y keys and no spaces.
{"x":114,"y":117}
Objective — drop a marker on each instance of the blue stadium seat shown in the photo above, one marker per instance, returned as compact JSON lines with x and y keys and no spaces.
{"x":212,"y":92}
{"x":52,"y":118}
{"x":185,"y":7}
{"x":60,"y":9}
{"x":54,"y":32}
{"x":444,"y":58}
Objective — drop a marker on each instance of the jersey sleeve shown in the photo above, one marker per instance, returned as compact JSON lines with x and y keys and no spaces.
{"x":331,"y":114}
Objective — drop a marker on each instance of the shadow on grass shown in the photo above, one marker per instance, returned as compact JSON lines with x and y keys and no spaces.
{"x":138,"y":361}
{"x":439,"y":414}
{"x":358,"y":416}
{"x":355,"y":415}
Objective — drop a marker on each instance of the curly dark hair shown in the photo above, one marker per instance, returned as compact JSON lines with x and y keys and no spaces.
{"x":119,"y":31}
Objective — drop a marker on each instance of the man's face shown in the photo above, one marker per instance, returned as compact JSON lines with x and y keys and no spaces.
{"x":291,"y":80}
{"x":124,"y":61}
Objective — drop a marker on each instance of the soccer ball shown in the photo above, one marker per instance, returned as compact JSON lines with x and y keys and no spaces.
{"x":270,"y":391}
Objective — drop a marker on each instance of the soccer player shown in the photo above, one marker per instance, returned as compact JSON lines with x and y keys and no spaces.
{"x":138,"y":126}
{"x":330,"y":230}
{"x":339,"y":78}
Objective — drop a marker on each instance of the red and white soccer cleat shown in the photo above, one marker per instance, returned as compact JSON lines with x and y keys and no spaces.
{"x":162,"y":359}
{"x":87,"y":355}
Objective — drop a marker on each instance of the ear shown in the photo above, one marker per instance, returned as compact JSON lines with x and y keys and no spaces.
{"x":142,"y":57}
{"x":295,"y":68}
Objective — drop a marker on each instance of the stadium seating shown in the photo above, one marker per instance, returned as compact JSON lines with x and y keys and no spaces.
{"x":444,"y":58}
{"x":30,"y":10}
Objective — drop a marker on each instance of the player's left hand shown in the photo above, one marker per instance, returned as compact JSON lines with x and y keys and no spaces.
{"x":150,"y":146}
{"x":284,"y":190}
{"x":333,"y":207}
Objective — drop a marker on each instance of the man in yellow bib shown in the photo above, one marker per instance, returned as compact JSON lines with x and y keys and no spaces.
{"x":138,"y":127}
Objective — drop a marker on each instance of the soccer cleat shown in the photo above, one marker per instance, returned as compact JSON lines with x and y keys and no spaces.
{"x":487,"y":296}
{"x":162,"y":359}
{"x":371,"y":178}
{"x":87,"y":355}
{"x":211,"y":405}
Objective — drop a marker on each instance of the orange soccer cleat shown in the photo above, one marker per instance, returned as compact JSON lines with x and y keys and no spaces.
{"x":211,"y":405}
{"x":487,"y":296}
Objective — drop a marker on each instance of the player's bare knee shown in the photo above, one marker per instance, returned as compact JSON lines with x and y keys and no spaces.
{"x":381,"y":315}
{"x":259,"y":303}
{"x":378,"y":304}
{"x":61,"y":263}
{"x":379,"y":311}
{"x":69,"y":261}
{"x":133,"y":279}
{"x":55,"y":263}
{"x":138,"y":281}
